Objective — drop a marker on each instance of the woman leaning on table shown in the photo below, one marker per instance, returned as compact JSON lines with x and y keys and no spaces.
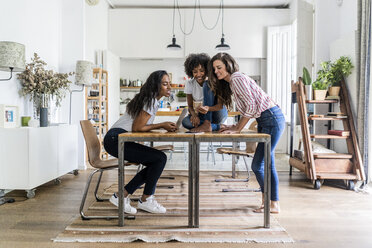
{"x":139,"y":117}
{"x":251,"y":102}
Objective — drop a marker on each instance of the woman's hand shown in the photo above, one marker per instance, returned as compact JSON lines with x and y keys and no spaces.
{"x":169,"y":126}
{"x":195,"y":121}
{"x":203,"y":109}
{"x":229,"y":129}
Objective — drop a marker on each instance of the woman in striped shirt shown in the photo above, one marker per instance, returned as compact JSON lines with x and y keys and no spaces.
{"x":252,"y":102}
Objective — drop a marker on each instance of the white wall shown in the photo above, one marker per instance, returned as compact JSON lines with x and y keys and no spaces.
{"x":43,"y":37}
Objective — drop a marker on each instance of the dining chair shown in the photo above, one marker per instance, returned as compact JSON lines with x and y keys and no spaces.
{"x":236,"y":152}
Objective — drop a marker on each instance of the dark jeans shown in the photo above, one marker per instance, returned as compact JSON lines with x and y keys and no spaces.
{"x":215,"y":117}
{"x":270,"y":122}
{"x":153,"y":160}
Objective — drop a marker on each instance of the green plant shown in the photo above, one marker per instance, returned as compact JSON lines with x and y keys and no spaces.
{"x":181,"y":94}
{"x":37,"y":81}
{"x":325,"y":74}
{"x":306,"y":76}
{"x":319,"y":85}
{"x":341,"y":68}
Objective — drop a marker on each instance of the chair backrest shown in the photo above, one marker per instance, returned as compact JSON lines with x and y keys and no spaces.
{"x":250,"y":147}
{"x":92,"y":142}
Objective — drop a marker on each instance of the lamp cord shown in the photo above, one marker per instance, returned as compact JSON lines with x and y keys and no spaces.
{"x":222,"y":17}
{"x":193,"y":20}
{"x":80,"y":90}
{"x":218,"y":17}
{"x":174,"y":11}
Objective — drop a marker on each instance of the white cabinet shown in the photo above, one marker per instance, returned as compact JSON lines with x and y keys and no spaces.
{"x":143,"y":33}
{"x":30,"y":157}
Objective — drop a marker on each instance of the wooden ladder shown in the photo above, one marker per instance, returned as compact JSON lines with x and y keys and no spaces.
{"x":320,"y":166}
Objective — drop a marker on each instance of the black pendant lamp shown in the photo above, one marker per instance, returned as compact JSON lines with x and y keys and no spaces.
{"x":222,"y":46}
{"x":174,"y":45}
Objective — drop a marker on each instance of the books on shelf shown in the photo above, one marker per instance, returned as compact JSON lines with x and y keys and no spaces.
{"x":332,"y":98}
{"x":339,"y":132}
{"x":337,"y":114}
{"x":316,"y":116}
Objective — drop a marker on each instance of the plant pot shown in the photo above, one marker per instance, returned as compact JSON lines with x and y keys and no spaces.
{"x":309,"y":92}
{"x":181,"y":99}
{"x":43,"y":117}
{"x":334,"y":90}
{"x":320,"y":94}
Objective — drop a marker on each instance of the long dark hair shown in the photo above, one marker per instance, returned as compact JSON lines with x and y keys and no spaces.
{"x":221,"y":88}
{"x":146,"y":97}
{"x":194,"y":60}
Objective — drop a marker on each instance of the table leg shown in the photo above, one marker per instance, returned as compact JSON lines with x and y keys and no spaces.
{"x":267,"y":187}
{"x":191,"y":185}
{"x":197,"y":171}
{"x":121,"y":181}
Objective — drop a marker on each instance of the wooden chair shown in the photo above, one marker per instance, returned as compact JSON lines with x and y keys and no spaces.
{"x":235,"y":151}
{"x":94,"y":148}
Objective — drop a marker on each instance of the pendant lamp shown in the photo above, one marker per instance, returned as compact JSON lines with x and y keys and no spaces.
{"x":174,"y":45}
{"x":222,"y":46}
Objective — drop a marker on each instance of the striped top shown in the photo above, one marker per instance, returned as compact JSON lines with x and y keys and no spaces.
{"x":250,"y":99}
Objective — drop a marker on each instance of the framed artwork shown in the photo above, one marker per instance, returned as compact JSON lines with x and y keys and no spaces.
{"x":9,"y":116}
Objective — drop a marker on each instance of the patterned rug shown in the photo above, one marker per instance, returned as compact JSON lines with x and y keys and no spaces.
{"x":224,"y":216}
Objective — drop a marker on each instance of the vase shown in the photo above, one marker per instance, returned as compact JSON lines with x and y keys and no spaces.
{"x":41,"y":108}
{"x":43,"y":117}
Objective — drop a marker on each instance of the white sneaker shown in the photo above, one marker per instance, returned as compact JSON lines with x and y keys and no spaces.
{"x":127,"y":207}
{"x":151,"y":206}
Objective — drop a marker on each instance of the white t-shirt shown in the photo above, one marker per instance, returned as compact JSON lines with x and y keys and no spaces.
{"x":192,"y":87}
{"x":125,"y":122}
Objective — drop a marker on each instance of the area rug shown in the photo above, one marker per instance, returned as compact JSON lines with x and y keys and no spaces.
{"x":224,"y":216}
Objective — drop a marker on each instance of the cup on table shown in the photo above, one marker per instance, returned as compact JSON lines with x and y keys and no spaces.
{"x":197,"y":104}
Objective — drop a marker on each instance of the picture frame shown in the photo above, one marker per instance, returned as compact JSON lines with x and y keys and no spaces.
{"x":9,"y":116}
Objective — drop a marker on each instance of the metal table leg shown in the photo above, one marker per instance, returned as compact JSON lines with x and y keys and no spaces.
{"x":121,"y":181}
{"x":267,"y":187}
{"x":191,"y":185}
{"x":196,"y":173}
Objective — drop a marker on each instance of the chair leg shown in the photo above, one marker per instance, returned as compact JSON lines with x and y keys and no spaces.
{"x":97,"y":187}
{"x":246,"y":180}
{"x":81,"y":210}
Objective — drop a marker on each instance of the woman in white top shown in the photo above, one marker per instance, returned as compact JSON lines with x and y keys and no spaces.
{"x":252,"y":102}
{"x":139,"y":117}
{"x":201,"y":101}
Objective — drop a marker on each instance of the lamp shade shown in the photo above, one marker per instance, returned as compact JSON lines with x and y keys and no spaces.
{"x":84,"y":72}
{"x":222,"y":46}
{"x":12,"y":55}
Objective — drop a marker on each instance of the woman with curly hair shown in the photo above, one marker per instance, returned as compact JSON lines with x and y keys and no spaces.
{"x":205,"y":117}
{"x":252,"y":102}
{"x":139,"y":117}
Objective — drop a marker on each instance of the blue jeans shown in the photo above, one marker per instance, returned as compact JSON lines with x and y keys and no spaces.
{"x":270,"y":122}
{"x":215,"y":117}
{"x":153,"y":160}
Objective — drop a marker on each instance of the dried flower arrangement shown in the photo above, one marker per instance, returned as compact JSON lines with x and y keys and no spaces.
{"x":39,"y":82}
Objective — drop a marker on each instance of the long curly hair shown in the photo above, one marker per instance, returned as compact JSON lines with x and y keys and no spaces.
{"x":194,"y":60}
{"x":221,"y":88}
{"x":148,"y":92}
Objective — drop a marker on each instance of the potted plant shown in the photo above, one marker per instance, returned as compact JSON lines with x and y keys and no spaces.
{"x":320,"y":90}
{"x":306,"y":79}
{"x":181,"y":96}
{"x":42,"y":85}
{"x":341,"y":68}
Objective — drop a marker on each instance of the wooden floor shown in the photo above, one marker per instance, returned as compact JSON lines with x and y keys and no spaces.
{"x":329,"y":217}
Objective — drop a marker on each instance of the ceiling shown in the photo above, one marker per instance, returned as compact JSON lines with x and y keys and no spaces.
{"x":204,"y":3}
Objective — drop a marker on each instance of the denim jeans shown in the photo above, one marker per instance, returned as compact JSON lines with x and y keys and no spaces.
{"x":270,"y":122}
{"x":215,"y":117}
{"x":153,"y":160}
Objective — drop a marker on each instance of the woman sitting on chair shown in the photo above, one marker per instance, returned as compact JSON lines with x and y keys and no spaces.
{"x":251,"y":102}
{"x":139,"y":117}
{"x":203,"y":115}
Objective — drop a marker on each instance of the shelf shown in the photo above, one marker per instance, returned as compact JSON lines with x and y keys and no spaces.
{"x":327,"y":118}
{"x":346,"y":176}
{"x":333,"y":155}
{"x":327,"y":136}
{"x":321,"y":101}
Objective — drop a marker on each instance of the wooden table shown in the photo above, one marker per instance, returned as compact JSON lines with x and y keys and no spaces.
{"x":194,"y":141}
{"x":177,"y":113}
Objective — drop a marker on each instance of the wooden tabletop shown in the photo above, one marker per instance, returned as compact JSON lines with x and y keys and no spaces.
{"x":244,"y":134}
{"x":177,"y":113}
{"x":157,"y":133}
